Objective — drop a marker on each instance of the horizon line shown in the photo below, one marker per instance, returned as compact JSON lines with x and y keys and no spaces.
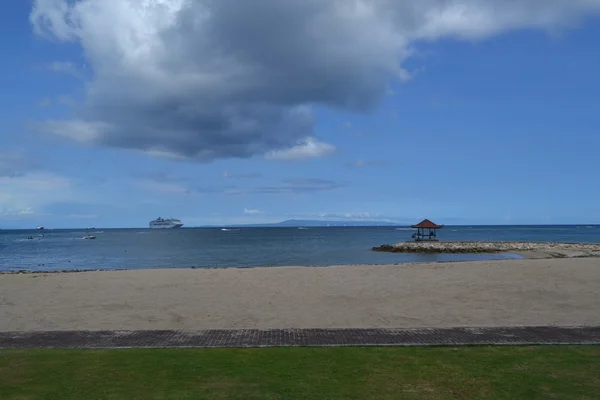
{"x":276,"y":225}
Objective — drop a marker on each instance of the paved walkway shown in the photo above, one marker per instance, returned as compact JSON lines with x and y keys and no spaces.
{"x":302,"y":337}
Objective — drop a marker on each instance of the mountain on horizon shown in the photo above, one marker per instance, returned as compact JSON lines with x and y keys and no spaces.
{"x":293,"y":223}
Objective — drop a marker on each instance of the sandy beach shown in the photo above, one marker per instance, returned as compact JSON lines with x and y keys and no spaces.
{"x":482,"y":293}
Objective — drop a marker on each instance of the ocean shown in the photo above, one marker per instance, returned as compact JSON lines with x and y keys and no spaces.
{"x":250,"y":247}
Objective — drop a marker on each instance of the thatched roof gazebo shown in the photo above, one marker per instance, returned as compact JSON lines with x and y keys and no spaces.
{"x":426,"y":231}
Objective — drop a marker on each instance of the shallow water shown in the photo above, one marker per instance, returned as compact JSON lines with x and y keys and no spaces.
{"x":248,"y":247}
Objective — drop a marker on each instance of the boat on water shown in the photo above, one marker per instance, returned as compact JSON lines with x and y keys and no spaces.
{"x":40,"y":228}
{"x":165,"y":223}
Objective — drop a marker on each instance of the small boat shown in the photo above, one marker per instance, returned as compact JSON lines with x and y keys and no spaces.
{"x":40,"y":228}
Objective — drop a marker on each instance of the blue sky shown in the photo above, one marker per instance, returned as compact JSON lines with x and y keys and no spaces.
{"x":486,"y":116}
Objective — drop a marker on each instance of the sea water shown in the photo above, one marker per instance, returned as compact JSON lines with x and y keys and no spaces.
{"x":251,"y":247}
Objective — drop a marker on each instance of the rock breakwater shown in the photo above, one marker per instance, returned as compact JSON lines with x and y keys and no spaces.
{"x":530,"y":249}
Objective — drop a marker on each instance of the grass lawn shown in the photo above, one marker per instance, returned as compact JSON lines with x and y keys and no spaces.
{"x":547,"y":372}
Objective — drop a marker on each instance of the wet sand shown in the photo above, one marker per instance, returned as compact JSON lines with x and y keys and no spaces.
{"x":481,"y":293}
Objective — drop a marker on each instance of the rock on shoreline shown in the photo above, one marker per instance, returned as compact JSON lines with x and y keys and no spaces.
{"x":550,"y":249}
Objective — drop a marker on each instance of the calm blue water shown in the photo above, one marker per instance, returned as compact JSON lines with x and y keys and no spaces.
{"x":246,"y":247}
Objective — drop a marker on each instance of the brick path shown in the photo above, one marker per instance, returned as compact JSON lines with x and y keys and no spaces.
{"x":302,"y":337}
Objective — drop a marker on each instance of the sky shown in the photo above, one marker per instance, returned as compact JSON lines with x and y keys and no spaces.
{"x":115,"y":112}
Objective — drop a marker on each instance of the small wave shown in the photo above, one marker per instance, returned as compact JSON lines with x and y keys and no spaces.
{"x":229,"y":230}
{"x":404,"y":229}
{"x":142,"y":233}
{"x":303,"y":228}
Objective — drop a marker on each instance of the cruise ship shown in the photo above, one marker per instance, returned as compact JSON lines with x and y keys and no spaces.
{"x":166,"y":223}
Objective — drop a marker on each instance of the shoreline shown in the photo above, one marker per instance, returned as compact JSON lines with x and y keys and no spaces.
{"x":72,"y":271}
{"x":522,"y":250}
{"x":518,"y":292}
{"x":472,"y":251}
{"x":532,"y":255}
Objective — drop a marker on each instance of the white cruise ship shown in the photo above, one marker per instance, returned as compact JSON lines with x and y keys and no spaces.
{"x":166,"y":223}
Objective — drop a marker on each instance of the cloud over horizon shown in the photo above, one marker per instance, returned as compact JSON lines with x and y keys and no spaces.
{"x":204,"y":80}
{"x":15,"y":163}
{"x":27,"y":194}
{"x":253,"y":211}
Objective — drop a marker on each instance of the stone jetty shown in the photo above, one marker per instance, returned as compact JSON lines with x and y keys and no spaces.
{"x":529,"y":249}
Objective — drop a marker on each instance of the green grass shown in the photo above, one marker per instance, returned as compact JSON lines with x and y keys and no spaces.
{"x":550,"y":372}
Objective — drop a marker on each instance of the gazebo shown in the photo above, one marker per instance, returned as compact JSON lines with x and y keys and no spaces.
{"x":426,"y":231}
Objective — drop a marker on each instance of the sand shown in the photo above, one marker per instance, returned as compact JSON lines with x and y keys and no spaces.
{"x":482,"y":293}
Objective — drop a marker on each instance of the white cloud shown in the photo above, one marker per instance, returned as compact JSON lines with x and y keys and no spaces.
{"x":244,"y":175}
{"x":361,"y":215}
{"x":45,"y":103}
{"x":26,"y":195}
{"x":164,"y":188}
{"x":231,"y":78}
{"x":367,"y":164}
{"x":64,"y":67}
{"x":252,"y":211}
{"x":308,"y":148}
{"x":82,"y":216}
{"x":26,"y":191}
{"x":350,"y":216}
{"x":226,"y":221}
{"x":169,"y":155}
{"x":78,"y":130}
{"x":476,"y":19}
{"x":15,"y":163}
